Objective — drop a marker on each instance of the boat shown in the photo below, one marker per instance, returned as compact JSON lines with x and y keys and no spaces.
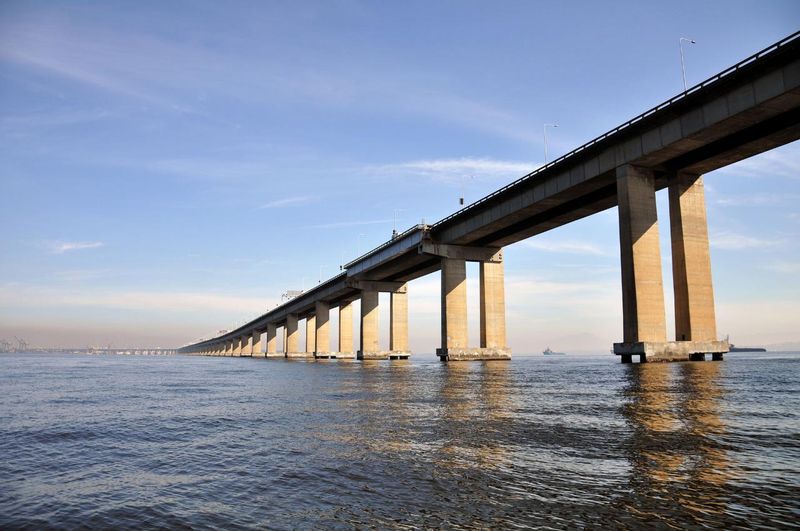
{"x":734,"y":348}
{"x":548,"y":352}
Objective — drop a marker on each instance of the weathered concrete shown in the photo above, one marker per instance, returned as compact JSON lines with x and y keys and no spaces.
{"x":473,"y":354}
{"x":346,"y":331}
{"x":454,"y":305}
{"x":670,"y":350}
{"x":492,"y":305}
{"x":258,"y":345}
{"x":322,"y":342}
{"x":398,"y":320}
{"x":695,"y":319}
{"x":272,"y":342}
{"x":292,"y":335}
{"x":370,"y":339}
{"x":311,"y":335}
{"x":642,"y":288}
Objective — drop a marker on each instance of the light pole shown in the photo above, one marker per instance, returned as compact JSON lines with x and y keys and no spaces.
{"x":394,"y":226}
{"x":320,"y":273}
{"x":683,"y":64}
{"x":544,"y":134}
{"x":461,"y":199}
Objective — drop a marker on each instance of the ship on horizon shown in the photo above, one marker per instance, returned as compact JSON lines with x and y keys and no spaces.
{"x":734,"y":348}
{"x":549,"y":352}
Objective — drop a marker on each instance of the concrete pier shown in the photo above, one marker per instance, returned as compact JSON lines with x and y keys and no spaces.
{"x":272,"y":342}
{"x":369,"y":343}
{"x":398,"y":323}
{"x":454,"y":309}
{"x":292,"y":341}
{"x":258,"y":346}
{"x":644,"y":327}
{"x":345,"y":348}
{"x":322,"y":342}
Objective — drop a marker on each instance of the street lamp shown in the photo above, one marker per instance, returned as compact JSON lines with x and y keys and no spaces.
{"x":394,"y":226}
{"x":683,"y":64}
{"x":544,"y":134}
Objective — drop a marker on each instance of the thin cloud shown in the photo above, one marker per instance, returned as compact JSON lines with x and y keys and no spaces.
{"x":566,"y":246}
{"x":287,"y":201}
{"x":458,"y":168}
{"x":63,"y":247}
{"x":731,"y":241}
{"x":761,"y":199}
{"x":342,"y":224}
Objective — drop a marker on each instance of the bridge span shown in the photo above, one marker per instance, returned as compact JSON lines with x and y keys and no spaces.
{"x":749,"y":108}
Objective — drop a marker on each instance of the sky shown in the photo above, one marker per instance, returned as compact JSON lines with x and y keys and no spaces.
{"x":169,"y":169}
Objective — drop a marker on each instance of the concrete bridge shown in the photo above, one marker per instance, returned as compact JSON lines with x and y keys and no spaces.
{"x":750,"y":108}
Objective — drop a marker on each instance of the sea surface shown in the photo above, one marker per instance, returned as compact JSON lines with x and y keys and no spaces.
{"x":548,"y":442}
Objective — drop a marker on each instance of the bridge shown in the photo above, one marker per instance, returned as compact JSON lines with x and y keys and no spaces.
{"x":747,"y":109}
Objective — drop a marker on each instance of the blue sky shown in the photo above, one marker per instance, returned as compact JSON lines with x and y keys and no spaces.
{"x":169,"y":169}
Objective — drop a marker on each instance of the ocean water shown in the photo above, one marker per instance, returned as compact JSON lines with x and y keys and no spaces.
{"x":562,"y":443}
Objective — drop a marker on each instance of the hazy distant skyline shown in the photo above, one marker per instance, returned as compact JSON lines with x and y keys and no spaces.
{"x":168,"y":170}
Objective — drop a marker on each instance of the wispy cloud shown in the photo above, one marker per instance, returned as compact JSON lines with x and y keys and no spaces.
{"x":341,"y":224}
{"x":566,"y":246}
{"x":454,"y":169}
{"x":63,"y":247}
{"x":731,"y":241}
{"x":782,"y":266}
{"x":287,"y":201}
{"x":760,"y":199}
{"x":782,"y":162}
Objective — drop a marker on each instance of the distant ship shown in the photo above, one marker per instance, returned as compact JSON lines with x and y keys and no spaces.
{"x":548,"y":352}
{"x":734,"y":348}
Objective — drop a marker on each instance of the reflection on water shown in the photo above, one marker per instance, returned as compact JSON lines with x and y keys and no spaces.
{"x":678,"y":460}
{"x":555,"y":443}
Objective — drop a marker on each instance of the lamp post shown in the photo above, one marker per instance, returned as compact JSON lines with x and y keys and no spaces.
{"x":394,"y":226}
{"x":544,"y":134}
{"x":683,"y":63}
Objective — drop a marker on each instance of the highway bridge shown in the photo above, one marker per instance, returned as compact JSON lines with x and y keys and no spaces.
{"x":749,"y":108}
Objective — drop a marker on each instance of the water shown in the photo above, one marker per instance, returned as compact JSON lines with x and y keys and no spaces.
{"x":196,"y":442}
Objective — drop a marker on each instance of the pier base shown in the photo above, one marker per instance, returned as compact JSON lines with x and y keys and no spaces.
{"x":383,"y":355}
{"x":473,"y":354}
{"x":274,"y":354}
{"x":655,"y":351}
{"x":300,"y":355}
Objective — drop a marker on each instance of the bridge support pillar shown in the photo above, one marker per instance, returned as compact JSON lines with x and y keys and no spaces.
{"x":369,"y":344}
{"x":258,"y":348}
{"x":272,"y":342}
{"x":345,"y":349}
{"x":322,"y":341}
{"x":247,"y":345}
{"x":398,"y":324}
{"x":292,"y":338}
{"x":311,"y":337}
{"x":493,"y":308}
{"x":695,"y":318}
{"x":454,"y":312}
{"x":644,"y":326}
{"x":237,"y":346}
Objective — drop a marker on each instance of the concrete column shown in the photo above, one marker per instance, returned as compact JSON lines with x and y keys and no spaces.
{"x":257,"y":344}
{"x":237,"y":346}
{"x":492,"y":305}
{"x":323,"y":340}
{"x":345,"y":329}
{"x":691,"y":261}
{"x":272,"y":340}
{"x":398,"y":317}
{"x":311,"y":334}
{"x":454,"y":304}
{"x":291,"y":337}
{"x":369,"y":324}
{"x":247,"y":345}
{"x":642,"y":289}
{"x":229,"y":348}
